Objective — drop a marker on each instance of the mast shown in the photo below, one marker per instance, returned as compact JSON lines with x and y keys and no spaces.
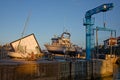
{"x":22,"y":34}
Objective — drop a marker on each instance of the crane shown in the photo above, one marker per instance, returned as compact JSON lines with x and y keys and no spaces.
{"x":89,"y":26}
{"x":103,"y":29}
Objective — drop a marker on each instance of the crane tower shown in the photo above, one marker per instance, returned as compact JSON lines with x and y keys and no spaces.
{"x":89,"y":26}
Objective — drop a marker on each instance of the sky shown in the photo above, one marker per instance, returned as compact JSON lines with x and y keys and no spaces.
{"x":51,"y":17}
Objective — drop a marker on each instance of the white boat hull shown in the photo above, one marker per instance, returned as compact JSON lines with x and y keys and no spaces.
{"x":16,"y":55}
{"x":59,"y":49}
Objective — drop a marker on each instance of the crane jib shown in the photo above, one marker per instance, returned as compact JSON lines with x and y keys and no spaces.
{"x":102,"y":8}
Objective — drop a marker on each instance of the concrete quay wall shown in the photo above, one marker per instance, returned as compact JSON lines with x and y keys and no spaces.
{"x":55,"y":70}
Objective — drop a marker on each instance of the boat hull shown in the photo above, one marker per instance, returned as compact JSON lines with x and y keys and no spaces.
{"x":15,"y":55}
{"x":60,"y":49}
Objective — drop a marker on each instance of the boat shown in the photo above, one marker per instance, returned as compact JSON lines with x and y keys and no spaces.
{"x":25,"y":47}
{"x":62,"y":45}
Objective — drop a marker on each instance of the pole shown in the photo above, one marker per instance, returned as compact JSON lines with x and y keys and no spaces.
{"x":25,"y":26}
{"x":111,"y":46}
{"x":97,"y":42}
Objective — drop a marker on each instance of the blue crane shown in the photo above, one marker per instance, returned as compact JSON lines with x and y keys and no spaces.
{"x":89,"y":26}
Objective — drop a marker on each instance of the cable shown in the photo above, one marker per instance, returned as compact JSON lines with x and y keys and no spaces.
{"x":104,"y":19}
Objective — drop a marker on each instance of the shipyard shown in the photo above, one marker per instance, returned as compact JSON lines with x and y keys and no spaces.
{"x":52,"y":54}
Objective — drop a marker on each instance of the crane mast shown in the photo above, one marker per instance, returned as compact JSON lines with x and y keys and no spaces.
{"x":89,"y":26}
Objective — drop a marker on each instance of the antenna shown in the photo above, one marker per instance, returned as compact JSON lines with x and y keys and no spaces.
{"x":25,"y":26}
{"x":64,"y":24}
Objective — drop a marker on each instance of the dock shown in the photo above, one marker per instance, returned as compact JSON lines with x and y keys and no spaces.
{"x":55,"y":70}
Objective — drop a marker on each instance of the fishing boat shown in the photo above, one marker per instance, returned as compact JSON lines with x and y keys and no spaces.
{"x":62,"y":45}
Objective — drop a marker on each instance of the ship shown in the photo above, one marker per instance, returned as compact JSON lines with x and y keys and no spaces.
{"x":62,"y":45}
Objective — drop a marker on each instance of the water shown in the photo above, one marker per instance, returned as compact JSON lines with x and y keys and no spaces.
{"x":116,"y":75}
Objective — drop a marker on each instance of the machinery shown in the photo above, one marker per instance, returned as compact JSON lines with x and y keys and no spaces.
{"x":89,"y":26}
{"x":104,"y":29}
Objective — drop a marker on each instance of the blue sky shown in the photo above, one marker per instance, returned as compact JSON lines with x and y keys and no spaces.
{"x":52,"y":17}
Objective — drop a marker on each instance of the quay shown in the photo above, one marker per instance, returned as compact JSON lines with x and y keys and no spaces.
{"x":56,"y":69}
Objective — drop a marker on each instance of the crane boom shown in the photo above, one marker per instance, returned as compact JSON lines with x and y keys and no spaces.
{"x":103,"y":29}
{"x":89,"y":26}
{"x":102,"y":8}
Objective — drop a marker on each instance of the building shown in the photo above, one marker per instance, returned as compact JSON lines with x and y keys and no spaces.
{"x":112,"y":42}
